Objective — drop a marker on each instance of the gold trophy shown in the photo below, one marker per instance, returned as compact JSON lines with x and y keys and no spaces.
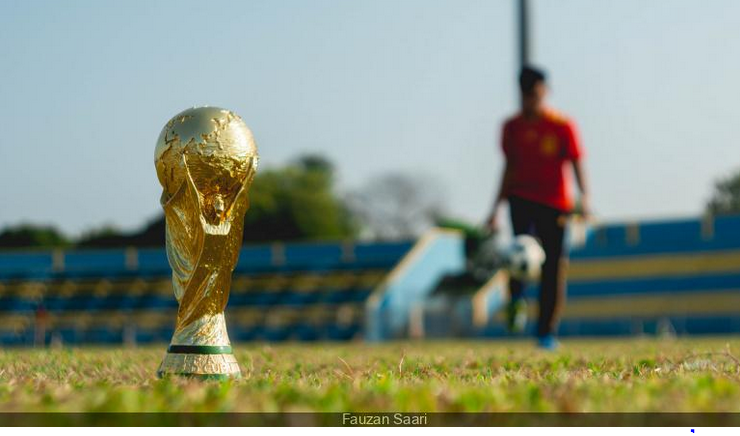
{"x":206,"y":160}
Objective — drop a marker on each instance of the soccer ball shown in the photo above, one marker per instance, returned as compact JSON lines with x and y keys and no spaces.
{"x":523,"y":258}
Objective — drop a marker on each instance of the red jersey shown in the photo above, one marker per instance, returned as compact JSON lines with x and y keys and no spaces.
{"x":536,"y":152}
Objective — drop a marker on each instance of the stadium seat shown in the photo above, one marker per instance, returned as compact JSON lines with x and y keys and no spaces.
{"x":279,"y":292}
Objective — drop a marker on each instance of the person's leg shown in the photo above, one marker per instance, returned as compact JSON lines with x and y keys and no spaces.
{"x":521,"y":223}
{"x":516,"y":311}
{"x":550,"y":227}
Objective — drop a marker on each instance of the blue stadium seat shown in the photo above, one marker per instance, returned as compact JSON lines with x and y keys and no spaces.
{"x":313,"y":257}
{"x":149,"y":301}
{"x":306,"y":332}
{"x":16,"y":304}
{"x":54,"y":303}
{"x":655,"y":285}
{"x":380,"y":255}
{"x":254,"y":259}
{"x":359,"y":295}
{"x":340,"y":296}
{"x":119,"y":302}
{"x":145,"y":336}
{"x":153,"y":262}
{"x":69,"y":335}
{"x":300,"y":298}
{"x":25,"y":265}
{"x":78,"y":303}
{"x":95,"y":263}
{"x":103,"y":336}
{"x":264,"y":298}
{"x":276,"y":333}
{"x":711,"y":325}
{"x":244,"y":333}
{"x":338,"y":332}
{"x":10,"y":338}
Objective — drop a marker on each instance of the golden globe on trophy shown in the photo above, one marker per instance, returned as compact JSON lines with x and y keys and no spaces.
{"x":206,"y":159}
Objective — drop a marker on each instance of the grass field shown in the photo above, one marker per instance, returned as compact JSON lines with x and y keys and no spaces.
{"x":595,"y":375}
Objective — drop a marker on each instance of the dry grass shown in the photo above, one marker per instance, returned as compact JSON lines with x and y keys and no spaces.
{"x":603,"y":375}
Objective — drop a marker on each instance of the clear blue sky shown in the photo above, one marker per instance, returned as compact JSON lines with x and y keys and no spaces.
{"x":377,"y":85}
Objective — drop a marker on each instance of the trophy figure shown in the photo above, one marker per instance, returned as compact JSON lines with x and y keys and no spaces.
{"x":206,"y":159}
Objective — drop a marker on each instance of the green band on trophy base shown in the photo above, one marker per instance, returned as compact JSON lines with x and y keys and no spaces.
{"x":200,"y":349}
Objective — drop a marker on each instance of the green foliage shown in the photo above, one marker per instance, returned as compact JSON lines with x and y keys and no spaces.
{"x":468,"y":230}
{"x":29,"y":235}
{"x":107,"y":236}
{"x":297,"y":202}
{"x":726,"y":196}
{"x":624,"y":375}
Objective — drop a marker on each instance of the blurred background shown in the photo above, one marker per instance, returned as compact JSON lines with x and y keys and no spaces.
{"x":377,"y":122}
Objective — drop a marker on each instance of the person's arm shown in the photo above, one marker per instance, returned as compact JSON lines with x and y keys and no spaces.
{"x":503,"y":188}
{"x":500,"y":196}
{"x":582,"y":183}
{"x":574,"y":153}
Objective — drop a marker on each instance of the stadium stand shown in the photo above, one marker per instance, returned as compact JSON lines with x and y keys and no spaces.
{"x":279,"y":292}
{"x":667,"y":277}
{"x":672,"y":277}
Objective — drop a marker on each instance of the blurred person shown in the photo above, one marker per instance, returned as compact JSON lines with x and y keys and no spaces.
{"x":539,"y":146}
{"x":41,"y":320}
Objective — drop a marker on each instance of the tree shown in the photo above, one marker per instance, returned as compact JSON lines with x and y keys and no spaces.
{"x":152,"y":235}
{"x":297,"y":202}
{"x":30,"y":235}
{"x":107,"y":236}
{"x":397,"y":206}
{"x":726,"y":196}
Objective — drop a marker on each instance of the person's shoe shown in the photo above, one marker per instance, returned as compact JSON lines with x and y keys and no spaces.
{"x":548,"y":342}
{"x":516,"y":316}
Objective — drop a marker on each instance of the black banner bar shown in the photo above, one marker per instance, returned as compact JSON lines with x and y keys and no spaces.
{"x":381,"y":419}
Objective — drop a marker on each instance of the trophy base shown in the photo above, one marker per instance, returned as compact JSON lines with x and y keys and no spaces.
{"x":199,"y":361}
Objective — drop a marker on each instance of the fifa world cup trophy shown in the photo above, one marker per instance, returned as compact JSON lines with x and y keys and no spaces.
{"x":206,"y":160}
